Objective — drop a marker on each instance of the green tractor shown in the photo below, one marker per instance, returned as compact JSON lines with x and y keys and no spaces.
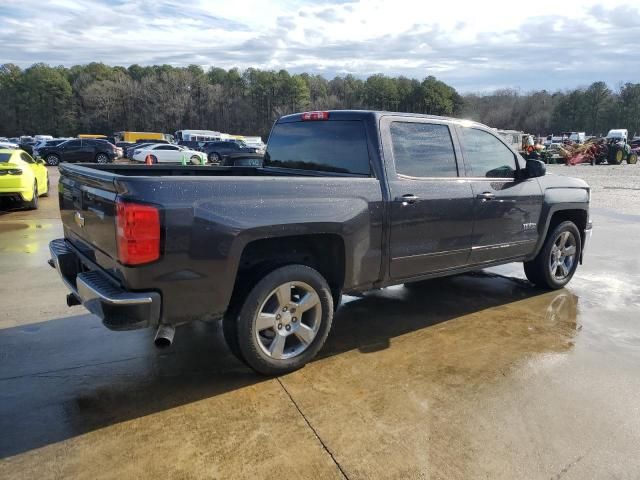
{"x":619,"y":151}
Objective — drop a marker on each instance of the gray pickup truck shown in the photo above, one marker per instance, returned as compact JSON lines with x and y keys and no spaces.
{"x":345,"y":201}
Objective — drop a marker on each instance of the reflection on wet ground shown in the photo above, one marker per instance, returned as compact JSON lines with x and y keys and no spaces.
{"x":474,"y":376}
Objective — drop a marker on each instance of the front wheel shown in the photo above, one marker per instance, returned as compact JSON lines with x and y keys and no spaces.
{"x":214,"y":158}
{"x":558,"y":260}
{"x":52,"y":160}
{"x":102,"y":158}
{"x":632,"y":158}
{"x":284,"y":321}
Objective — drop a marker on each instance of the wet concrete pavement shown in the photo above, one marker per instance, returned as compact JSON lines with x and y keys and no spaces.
{"x":476,"y":376}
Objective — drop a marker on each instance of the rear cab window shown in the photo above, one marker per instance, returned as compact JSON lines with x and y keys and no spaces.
{"x":334,"y":146}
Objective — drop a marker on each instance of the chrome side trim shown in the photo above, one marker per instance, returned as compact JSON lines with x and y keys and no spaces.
{"x":502,"y":245}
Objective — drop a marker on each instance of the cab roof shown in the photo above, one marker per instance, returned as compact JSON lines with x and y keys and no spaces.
{"x":375,"y":114}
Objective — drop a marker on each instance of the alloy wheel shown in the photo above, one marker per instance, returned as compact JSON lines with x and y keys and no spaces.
{"x":563,"y":255}
{"x":288,"y":320}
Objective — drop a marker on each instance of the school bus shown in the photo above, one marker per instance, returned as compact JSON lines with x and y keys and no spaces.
{"x":91,"y":135}
{"x":135,"y":136}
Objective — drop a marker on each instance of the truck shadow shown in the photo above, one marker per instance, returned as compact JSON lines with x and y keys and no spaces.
{"x":63,"y":378}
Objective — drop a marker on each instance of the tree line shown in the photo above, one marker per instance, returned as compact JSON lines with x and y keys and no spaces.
{"x":97,"y":98}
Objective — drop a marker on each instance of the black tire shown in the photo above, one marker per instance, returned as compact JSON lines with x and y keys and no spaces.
{"x":246,"y":339}
{"x":214,"y":158}
{"x":33,"y":204}
{"x":102,"y":158}
{"x":539,"y":270}
{"x":48,"y":187}
{"x":195,"y":160}
{"x":53,"y":160}
{"x":615,"y":156}
{"x":154,"y":159}
{"x":230,"y":333}
{"x":632,"y":159}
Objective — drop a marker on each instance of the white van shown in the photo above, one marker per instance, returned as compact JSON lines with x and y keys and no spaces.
{"x":618,"y":134}
{"x":577,"y":137}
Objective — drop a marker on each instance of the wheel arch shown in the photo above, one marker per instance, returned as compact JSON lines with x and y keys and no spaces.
{"x":324,"y":252}
{"x":578,"y":214}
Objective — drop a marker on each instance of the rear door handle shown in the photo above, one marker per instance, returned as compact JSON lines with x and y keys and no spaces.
{"x":408,"y":199}
{"x":486,"y":196}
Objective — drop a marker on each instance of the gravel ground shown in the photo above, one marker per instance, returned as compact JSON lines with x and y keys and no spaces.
{"x":613,"y":187}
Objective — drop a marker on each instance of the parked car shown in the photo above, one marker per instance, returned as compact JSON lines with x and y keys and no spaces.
{"x":9,"y":145}
{"x":577,"y":137}
{"x":27,"y":146}
{"x":128,"y":151}
{"x":217,"y":151}
{"x":23,"y":177}
{"x":123,"y":146}
{"x":162,"y":153}
{"x":48,"y":143}
{"x":243,"y":160}
{"x":87,"y":150}
{"x":269,"y":250}
{"x":191,"y":144}
{"x":255,"y":142}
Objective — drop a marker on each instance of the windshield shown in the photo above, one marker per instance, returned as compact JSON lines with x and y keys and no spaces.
{"x":4,"y":157}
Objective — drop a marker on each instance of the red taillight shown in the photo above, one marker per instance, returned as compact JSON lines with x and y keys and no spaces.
{"x":138,"y":233}
{"x":315,"y":116}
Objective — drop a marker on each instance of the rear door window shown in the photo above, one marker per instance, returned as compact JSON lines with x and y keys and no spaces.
{"x":423,"y":150}
{"x":326,"y":146}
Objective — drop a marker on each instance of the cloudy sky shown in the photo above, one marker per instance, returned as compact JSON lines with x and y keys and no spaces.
{"x":472,"y":45}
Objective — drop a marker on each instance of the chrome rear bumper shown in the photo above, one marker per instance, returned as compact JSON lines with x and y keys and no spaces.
{"x":118,"y":308}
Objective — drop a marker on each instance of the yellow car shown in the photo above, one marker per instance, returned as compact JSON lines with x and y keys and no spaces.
{"x":23,"y":177}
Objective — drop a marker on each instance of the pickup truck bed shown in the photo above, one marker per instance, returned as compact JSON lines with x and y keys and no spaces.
{"x":346,"y":201}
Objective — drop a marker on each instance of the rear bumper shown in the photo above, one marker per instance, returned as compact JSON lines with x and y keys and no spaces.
{"x":118,"y":308}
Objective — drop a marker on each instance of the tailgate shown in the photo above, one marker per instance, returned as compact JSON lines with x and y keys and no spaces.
{"x":88,"y":208}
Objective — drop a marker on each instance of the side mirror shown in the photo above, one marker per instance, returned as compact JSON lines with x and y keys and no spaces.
{"x":535,"y":168}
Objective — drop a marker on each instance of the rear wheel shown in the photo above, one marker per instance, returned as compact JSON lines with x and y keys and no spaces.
{"x":632,"y":159}
{"x":53,"y":160}
{"x":615,"y":156}
{"x":196,"y":160}
{"x":283,"y":322}
{"x":558,"y":260}
{"x":33,"y":204}
{"x":214,"y":158}
{"x":48,"y":186}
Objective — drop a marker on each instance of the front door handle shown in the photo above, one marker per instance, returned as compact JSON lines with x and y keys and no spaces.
{"x":408,"y":199}
{"x":486,"y":196}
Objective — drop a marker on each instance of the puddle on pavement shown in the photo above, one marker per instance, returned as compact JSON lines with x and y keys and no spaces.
{"x":10,"y":227}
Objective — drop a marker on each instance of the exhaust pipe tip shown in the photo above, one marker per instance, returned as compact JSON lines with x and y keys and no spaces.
{"x":72,"y":300}
{"x":164,"y":336}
